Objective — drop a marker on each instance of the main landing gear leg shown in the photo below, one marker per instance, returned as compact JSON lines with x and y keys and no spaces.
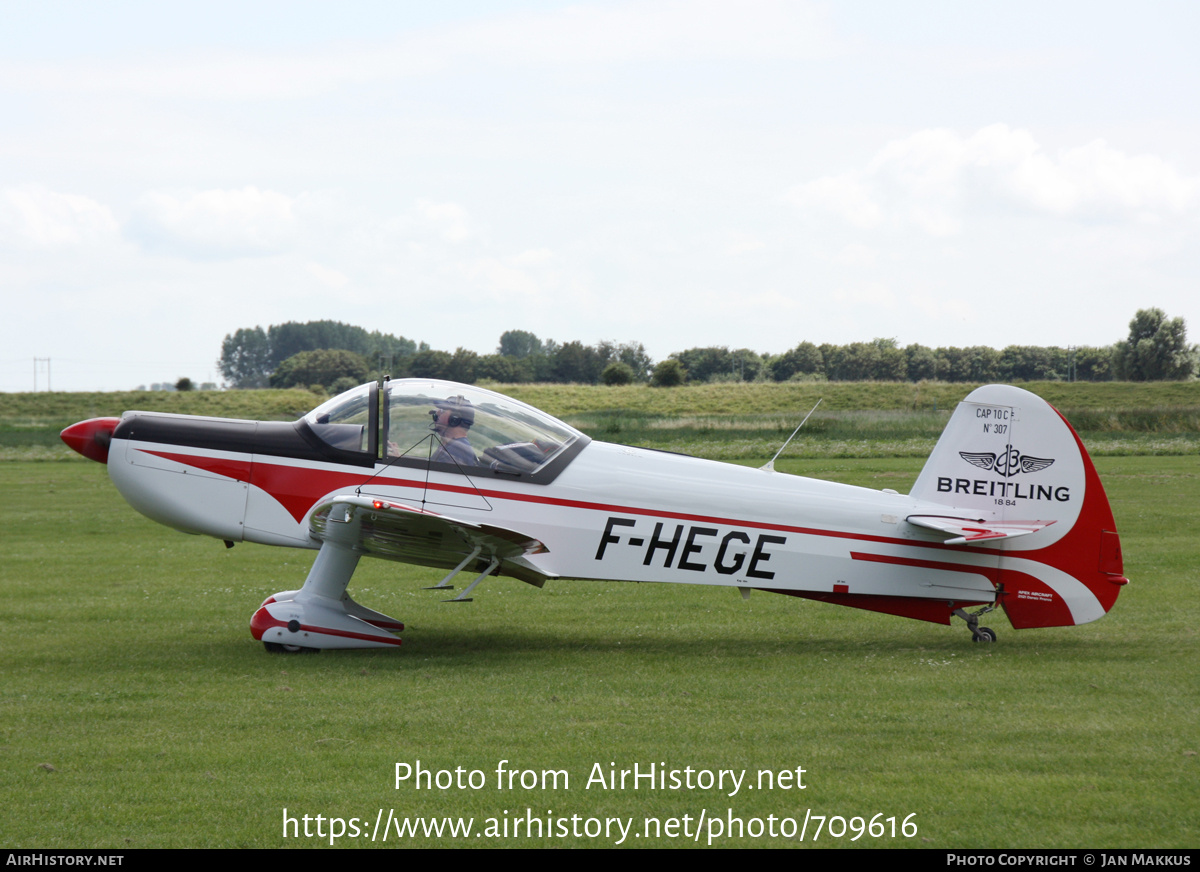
{"x":978,"y":633}
{"x":321,"y":614}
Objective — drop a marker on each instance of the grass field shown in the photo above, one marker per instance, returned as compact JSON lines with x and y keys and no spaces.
{"x":137,"y":712}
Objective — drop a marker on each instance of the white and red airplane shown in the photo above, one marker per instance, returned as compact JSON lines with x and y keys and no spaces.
{"x":1008,"y":511}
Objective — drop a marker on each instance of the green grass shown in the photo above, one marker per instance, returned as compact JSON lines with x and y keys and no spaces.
{"x":126,"y":665}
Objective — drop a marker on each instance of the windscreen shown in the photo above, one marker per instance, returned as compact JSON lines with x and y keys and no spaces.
{"x":343,"y":421}
{"x":466,"y":426}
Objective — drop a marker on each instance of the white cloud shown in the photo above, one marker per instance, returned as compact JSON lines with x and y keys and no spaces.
{"x":845,"y":196}
{"x":216,"y":223}
{"x":937,"y":179}
{"x":48,"y":219}
{"x":1105,"y":178}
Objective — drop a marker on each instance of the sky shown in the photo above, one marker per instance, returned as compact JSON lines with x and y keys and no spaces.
{"x":679,"y":173}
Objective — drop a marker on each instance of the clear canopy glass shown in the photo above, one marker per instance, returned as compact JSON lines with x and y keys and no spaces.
{"x":343,"y":421}
{"x":423,"y":416}
{"x":444,"y":422}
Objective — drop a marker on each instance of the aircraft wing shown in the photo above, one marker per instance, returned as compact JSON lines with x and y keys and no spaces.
{"x":406,"y":534}
{"x":974,"y":531}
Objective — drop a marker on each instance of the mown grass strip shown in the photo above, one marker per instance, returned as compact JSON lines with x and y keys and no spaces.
{"x":126,"y":666}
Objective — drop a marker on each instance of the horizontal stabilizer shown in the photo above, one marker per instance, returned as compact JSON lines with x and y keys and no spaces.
{"x":973,"y":531}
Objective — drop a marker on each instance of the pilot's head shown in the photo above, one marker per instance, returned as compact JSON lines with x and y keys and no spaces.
{"x":453,"y":413}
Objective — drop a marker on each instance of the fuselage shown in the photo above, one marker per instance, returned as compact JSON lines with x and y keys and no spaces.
{"x":1029,"y":527}
{"x":614,"y":512}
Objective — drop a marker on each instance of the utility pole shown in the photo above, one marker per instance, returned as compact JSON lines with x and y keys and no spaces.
{"x":46,"y":361}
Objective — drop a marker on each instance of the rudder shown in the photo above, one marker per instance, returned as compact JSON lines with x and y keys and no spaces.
{"x":1009,"y":456}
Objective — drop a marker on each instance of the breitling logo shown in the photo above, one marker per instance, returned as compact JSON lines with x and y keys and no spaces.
{"x":1008,"y":463}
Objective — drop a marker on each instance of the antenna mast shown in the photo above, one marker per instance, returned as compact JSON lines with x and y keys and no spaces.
{"x":769,"y":466}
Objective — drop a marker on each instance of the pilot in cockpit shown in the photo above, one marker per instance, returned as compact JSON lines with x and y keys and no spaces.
{"x":452,"y":418}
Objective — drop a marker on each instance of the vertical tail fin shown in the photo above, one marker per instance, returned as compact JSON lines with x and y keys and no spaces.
{"x":1009,"y":456}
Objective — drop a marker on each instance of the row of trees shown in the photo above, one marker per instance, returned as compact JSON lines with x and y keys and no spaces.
{"x":884,"y":360}
{"x":337,"y":355}
{"x":333,"y":354}
{"x":251,"y":357}
{"x":523,"y":357}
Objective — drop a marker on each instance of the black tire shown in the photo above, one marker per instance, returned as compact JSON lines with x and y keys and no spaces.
{"x":985,"y":634}
{"x":276,"y":648}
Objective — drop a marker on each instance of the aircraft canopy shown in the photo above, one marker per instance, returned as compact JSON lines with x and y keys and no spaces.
{"x":505,"y":435}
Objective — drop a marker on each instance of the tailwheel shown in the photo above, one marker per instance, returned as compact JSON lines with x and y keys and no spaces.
{"x":276,"y":648}
{"x":978,"y":633}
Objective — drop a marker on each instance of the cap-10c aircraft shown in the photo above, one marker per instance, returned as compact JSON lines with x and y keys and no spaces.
{"x":1008,"y":511}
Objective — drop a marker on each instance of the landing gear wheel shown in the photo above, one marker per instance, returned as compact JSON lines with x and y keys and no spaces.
{"x":276,"y":648}
{"x":978,"y":633}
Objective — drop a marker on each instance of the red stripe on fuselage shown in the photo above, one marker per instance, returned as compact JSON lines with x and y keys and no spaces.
{"x":936,"y":611}
{"x":238,"y":470}
{"x":298,"y":489}
{"x":989,"y":572}
{"x":1028,"y":601}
